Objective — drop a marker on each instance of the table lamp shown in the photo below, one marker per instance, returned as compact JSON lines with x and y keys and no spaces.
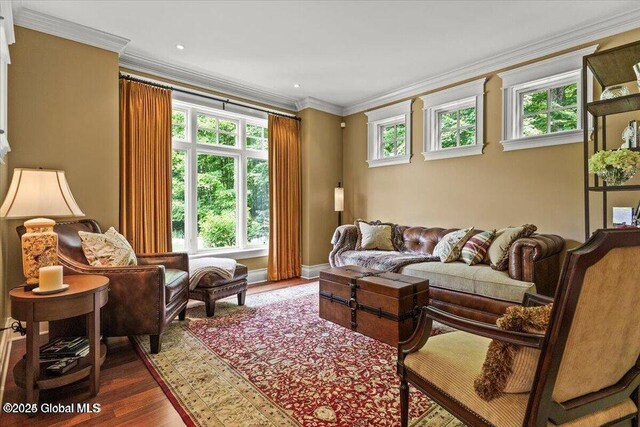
{"x":39,"y":193}
{"x":338,"y":196}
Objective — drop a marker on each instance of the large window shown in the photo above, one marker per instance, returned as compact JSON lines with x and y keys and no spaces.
{"x":453,"y":121}
{"x":220,"y":179}
{"x":542,"y":102}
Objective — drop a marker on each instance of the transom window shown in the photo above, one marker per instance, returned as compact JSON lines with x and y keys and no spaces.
{"x":453,"y":121}
{"x":389,"y":135}
{"x":392,"y":139}
{"x":457,"y":128}
{"x":220,"y":181}
{"x":550,"y":110}
{"x":542,"y":102}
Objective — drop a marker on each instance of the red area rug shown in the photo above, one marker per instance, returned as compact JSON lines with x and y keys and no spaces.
{"x":276,"y":363}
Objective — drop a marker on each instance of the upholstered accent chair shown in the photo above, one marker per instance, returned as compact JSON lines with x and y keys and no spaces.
{"x":588,"y":373}
{"x":143,"y":299}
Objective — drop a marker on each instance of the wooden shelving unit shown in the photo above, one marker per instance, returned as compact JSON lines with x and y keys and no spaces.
{"x":609,"y":68}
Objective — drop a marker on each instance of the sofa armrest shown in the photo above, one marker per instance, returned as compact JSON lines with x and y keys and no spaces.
{"x":344,"y":239}
{"x":176,"y":260}
{"x":137,"y":298}
{"x":537,"y":259}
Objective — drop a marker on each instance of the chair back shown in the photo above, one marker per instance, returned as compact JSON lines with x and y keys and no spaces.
{"x":593,"y":343}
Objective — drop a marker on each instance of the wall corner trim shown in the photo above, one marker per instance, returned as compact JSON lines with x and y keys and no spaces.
{"x":318,"y":104}
{"x":70,"y":30}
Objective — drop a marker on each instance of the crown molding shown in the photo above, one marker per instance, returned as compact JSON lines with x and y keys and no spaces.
{"x":6,"y":12}
{"x":318,"y":104}
{"x":142,"y":63}
{"x":546,"y":46}
{"x":70,"y":30}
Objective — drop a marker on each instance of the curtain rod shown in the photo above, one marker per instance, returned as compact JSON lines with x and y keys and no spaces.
{"x":213,"y":98}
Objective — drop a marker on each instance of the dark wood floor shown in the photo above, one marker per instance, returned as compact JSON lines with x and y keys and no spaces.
{"x":129,"y":396}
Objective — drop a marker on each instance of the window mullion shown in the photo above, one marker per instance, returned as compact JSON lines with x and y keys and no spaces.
{"x":192,"y":188}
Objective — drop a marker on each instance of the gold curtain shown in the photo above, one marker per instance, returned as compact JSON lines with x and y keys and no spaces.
{"x":284,"y":198}
{"x":145,"y":166}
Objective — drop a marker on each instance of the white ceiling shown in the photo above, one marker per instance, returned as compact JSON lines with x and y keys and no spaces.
{"x":339,"y":52}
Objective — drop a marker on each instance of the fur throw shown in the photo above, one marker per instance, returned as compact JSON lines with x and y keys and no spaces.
{"x":498,"y":365}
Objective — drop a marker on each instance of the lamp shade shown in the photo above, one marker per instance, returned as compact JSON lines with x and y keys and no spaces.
{"x":39,"y":192}
{"x":339,"y":199}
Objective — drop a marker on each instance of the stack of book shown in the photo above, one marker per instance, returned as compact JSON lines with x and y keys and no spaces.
{"x":63,"y":353}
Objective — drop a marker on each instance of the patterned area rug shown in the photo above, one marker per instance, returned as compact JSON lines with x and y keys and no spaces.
{"x":275,"y":363}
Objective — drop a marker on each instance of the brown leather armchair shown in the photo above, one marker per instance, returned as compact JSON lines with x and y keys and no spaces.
{"x":143,"y":299}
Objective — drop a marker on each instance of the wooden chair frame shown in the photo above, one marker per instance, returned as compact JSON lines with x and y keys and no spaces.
{"x":540,"y":408}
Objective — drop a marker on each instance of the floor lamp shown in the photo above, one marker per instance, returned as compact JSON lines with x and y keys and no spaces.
{"x":338,"y":196}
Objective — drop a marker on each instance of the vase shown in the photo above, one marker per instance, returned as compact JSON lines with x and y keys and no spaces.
{"x":39,"y":248}
{"x":616,"y":176}
{"x":614,"y":92}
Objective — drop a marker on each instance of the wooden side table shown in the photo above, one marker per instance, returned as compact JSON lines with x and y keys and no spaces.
{"x":85,"y":296}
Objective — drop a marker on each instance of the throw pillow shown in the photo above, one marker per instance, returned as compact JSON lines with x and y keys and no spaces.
{"x":110,"y":249}
{"x":374,"y":235}
{"x":476,"y":247}
{"x":509,"y":368}
{"x":449,"y":248}
{"x":499,"y":249}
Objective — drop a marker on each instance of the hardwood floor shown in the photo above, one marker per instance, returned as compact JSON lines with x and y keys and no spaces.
{"x":128,"y":393}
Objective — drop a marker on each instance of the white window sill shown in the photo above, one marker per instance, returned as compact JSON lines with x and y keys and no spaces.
{"x":388,"y":161}
{"x":232,"y":253}
{"x":448,"y":153}
{"x":548,"y":140}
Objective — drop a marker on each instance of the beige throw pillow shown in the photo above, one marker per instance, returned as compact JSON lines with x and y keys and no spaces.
{"x":509,"y":368}
{"x":450,"y":247}
{"x":110,"y":249}
{"x":374,"y":236}
{"x":499,"y":250}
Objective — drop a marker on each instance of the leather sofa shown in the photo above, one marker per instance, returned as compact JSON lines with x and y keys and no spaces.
{"x":143,"y":299}
{"x":477,"y":292}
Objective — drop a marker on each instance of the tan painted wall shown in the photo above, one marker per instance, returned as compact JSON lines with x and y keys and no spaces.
{"x":543,"y":186}
{"x":321,"y":172}
{"x":63,"y":114}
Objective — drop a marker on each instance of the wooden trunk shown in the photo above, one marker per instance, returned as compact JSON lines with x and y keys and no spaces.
{"x":384,"y":306}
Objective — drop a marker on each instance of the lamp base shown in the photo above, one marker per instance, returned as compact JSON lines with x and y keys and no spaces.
{"x":39,"y":248}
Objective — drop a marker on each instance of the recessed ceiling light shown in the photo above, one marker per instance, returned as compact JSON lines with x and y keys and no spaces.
{"x":297,"y":86}
{"x":180,"y":47}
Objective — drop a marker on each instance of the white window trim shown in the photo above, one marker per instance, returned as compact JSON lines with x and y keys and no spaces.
{"x":563,"y":68}
{"x":396,"y":113}
{"x":240,"y":153}
{"x":471,"y":94}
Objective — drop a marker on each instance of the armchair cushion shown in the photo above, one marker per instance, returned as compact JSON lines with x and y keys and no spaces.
{"x":509,"y":368}
{"x":450,"y":362}
{"x":110,"y":249}
{"x":173,"y":283}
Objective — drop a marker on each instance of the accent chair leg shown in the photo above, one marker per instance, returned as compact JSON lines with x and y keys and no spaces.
{"x":404,"y":403}
{"x":183,"y":314}
{"x":241,"y":297}
{"x":210,"y":306}
{"x":156,"y":343}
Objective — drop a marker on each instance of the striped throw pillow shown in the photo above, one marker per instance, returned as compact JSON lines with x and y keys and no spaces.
{"x":476,"y":247}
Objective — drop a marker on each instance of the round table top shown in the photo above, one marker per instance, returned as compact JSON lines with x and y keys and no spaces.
{"x":81,"y":284}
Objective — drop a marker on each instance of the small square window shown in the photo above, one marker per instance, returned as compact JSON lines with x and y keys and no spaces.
{"x":216,"y":131}
{"x":389,"y":135}
{"x":453,"y":121}
{"x":179,"y":125}
{"x":257,"y":137}
{"x":550,"y":110}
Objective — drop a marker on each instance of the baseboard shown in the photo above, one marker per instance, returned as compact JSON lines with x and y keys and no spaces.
{"x":313,"y":271}
{"x":5,"y":353}
{"x":257,"y":276}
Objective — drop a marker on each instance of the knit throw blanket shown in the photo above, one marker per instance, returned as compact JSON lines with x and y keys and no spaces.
{"x":223,"y":267}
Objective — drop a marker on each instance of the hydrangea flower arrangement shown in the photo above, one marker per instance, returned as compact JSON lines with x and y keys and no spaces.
{"x":615,"y":166}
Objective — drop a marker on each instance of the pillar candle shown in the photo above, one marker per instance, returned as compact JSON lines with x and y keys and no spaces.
{"x":50,"y":277}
